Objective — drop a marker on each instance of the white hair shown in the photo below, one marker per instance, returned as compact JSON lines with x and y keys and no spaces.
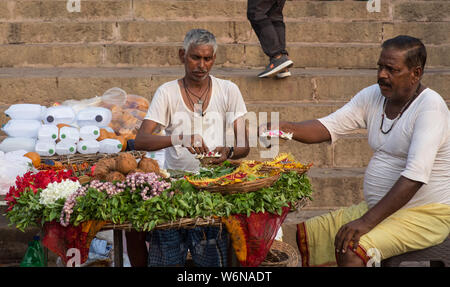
{"x":199,"y":37}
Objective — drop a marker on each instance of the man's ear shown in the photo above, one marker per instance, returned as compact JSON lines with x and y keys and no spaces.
{"x":417,"y":73}
{"x":182,"y":54}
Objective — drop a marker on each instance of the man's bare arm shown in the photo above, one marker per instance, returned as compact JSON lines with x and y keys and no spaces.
{"x":311,"y":131}
{"x":146,"y":140}
{"x":399,"y":195}
{"x":242,"y":146}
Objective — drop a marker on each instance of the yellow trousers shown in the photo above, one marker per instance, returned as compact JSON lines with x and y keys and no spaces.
{"x":405,"y":230}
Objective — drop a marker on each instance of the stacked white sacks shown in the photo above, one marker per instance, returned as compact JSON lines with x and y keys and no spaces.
{"x":66,"y":147}
{"x":22,"y":129}
{"x":57,"y":130}
{"x":89,"y":132}
{"x":61,"y":139}
{"x":91,"y":120}
{"x":88,"y":146}
{"x":94,"y":116}
{"x":110,"y":146}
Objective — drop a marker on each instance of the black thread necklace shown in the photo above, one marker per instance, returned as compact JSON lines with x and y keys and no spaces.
{"x":200,"y":100}
{"x":416,"y":93}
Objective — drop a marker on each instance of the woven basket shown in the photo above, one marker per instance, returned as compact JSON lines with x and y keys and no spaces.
{"x":281,"y":254}
{"x":184,"y":223}
{"x":79,"y":158}
{"x":241,"y":187}
{"x":299,"y":171}
{"x":268,"y":168}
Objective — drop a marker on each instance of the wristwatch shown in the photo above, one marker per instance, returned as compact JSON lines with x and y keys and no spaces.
{"x":231,"y":153}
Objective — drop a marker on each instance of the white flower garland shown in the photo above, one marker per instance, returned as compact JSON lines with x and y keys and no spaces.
{"x":55,"y":191}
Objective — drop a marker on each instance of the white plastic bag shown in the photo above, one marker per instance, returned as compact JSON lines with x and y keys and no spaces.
{"x":26,"y":111}
{"x":110,"y":146}
{"x":22,"y":128}
{"x":82,"y":104}
{"x":65,"y":147}
{"x":95,"y":116}
{"x":115,"y":96}
{"x":89,"y":132}
{"x":12,"y":164}
{"x":59,"y":115}
{"x":88,"y":146}
{"x":69,"y":134}
{"x":12,"y":144}
{"x":45,"y":148}
{"x":48,"y":133}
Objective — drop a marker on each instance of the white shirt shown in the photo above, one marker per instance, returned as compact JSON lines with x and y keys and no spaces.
{"x":170,"y":111}
{"x":417,"y":147}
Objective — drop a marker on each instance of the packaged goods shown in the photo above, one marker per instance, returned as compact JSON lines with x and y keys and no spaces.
{"x":45,"y":148}
{"x":22,"y":128}
{"x":137,"y":102}
{"x":110,"y":146}
{"x":65,"y":147}
{"x":88,"y":146}
{"x":12,"y":144}
{"x":69,"y":134}
{"x":48,"y":132}
{"x":94,"y":116}
{"x":12,"y":164}
{"x":26,"y":111}
{"x":59,"y":115}
{"x":89,"y":132}
{"x":115,"y":96}
{"x":83,"y":104}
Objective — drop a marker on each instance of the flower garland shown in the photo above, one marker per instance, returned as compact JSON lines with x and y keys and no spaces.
{"x":35,"y":181}
{"x":58,"y":190}
{"x":149,"y":184}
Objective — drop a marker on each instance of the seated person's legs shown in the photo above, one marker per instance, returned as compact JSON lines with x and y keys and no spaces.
{"x":209,"y":246}
{"x":136,"y":248}
{"x":406,"y":230}
{"x":167,"y":247}
{"x":315,"y":237}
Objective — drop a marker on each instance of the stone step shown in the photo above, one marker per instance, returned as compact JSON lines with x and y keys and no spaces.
{"x":48,"y":85}
{"x":56,"y":10}
{"x":304,"y":55}
{"x":226,"y":32}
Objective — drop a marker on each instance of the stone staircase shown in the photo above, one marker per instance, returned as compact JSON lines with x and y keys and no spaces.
{"x":50,"y":55}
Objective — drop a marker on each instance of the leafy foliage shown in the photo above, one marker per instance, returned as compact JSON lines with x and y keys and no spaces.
{"x":181,"y":200}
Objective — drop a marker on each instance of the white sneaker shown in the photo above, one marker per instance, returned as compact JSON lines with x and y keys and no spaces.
{"x":282,"y":75}
{"x":275,"y":66}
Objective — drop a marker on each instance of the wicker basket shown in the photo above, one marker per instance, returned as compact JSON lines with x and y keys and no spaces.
{"x":180,"y":223}
{"x":268,"y":168}
{"x":281,"y":254}
{"x":79,"y":158}
{"x":299,"y":171}
{"x":241,"y":187}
